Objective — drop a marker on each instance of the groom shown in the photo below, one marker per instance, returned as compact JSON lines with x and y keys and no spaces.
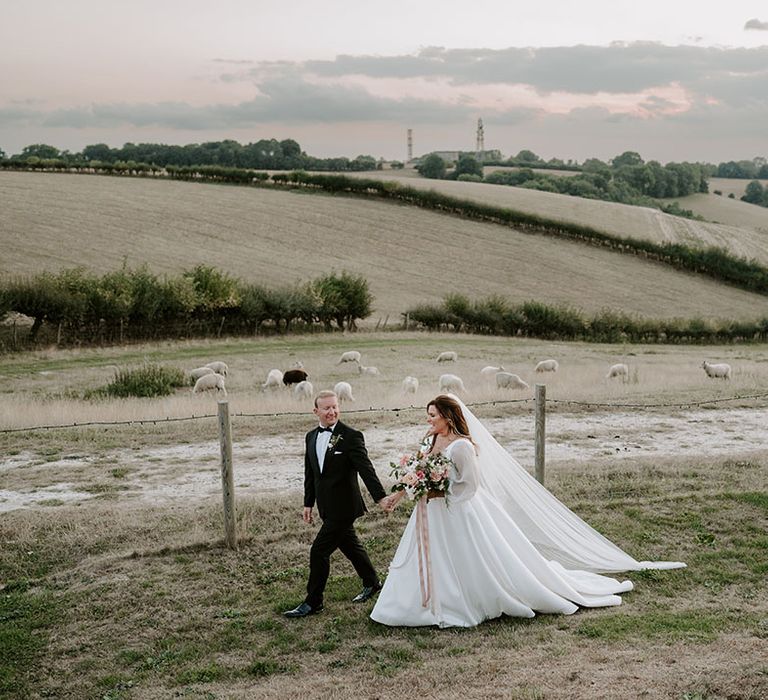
{"x":335,"y":454}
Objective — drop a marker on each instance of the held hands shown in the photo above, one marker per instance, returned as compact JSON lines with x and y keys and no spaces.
{"x":388,"y":503}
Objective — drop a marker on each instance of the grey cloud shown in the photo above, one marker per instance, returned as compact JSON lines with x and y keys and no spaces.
{"x":618,"y":68}
{"x":756,"y":24}
{"x":291,"y":101}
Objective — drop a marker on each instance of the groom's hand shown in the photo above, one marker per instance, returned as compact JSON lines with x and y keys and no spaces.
{"x":307,"y":515}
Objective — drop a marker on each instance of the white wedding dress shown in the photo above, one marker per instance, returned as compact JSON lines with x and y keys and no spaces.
{"x":499,"y":544}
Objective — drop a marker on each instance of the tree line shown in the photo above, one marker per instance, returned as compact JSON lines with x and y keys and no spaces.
{"x":497,"y":316}
{"x":626,"y":179}
{"x":76,"y":306}
{"x":266,"y":154}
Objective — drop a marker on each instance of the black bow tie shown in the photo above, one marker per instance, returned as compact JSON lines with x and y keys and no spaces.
{"x":321,"y":429}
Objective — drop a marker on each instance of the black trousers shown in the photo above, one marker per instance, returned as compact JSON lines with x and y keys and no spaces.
{"x":333,"y":535}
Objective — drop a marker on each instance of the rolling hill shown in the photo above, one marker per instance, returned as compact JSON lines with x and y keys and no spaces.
{"x":748,"y":241}
{"x":409,"y":255}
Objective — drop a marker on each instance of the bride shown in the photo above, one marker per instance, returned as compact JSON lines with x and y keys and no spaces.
{"x":500,"y":543}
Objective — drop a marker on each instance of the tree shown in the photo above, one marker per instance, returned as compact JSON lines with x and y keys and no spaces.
{"x":526,"y":156}
{"x":3,"y":155}
{"x":467,"y":165}
{"x":40,"y":150}
{"x":433,"y":167}
{"x":754,"y":193}
{"x":628,"y":158}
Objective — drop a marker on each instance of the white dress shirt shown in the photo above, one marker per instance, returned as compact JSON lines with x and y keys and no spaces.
{"x":321,"y":445}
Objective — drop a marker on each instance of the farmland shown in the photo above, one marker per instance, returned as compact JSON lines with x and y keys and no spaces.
{"x":617,"y":219}
{"x":117,"y":584}
{"x":114,"y":579}
{"x":409,"y":256}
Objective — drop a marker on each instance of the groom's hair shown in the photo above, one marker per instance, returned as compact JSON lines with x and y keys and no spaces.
{"x":325,"y":394}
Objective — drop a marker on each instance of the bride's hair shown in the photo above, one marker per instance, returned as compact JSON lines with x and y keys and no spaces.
{"x":450,"y":409}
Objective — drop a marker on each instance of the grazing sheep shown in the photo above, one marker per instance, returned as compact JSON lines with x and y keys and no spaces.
{"x":547,"y":366}
{"x":274,"y":379}
{"x":490,"y":372}
{"x":303,"y":390}
{"x":410,"y":385}
{"x":450,"y":382}
{"x":294,"y":376}
{"x":219,"y":367}
{"x":619,"y":370}
{"x":208,"y":382}
{"x":368,"y":371}
{"x":448,"y":356}
{"x":195,"y":374}
{"x":718,"y":371}
{"x":507,"y":380}
{"x":349,"y":356}
{"x":344,"y":391}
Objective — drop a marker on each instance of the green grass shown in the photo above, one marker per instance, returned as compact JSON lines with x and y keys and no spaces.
{"x":112,"y":601}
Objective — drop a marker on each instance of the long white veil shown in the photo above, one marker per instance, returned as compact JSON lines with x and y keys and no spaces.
{"x":556,"y":532}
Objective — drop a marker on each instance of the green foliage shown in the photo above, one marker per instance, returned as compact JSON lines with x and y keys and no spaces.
{"x":755,"y":194}
{"x":343,"y":298}
{"x":433,"y":167}
{"x":468,"y":165}
{"x":496,"y":316}
{"x":127,"y":304}
{"x":149,"y":380}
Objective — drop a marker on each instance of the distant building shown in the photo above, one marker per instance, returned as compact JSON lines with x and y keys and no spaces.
{"x":449,"y":157}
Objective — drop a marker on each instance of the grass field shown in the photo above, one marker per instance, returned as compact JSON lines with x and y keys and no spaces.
{"x":114,"y":595}
{"x":616,"y":219}
{"x":409,"y":256}
{"x":114,"y":600}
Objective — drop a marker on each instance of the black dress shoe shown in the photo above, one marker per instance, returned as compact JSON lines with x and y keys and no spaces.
{"x":303,"y":610}
{"x":367,"y":593}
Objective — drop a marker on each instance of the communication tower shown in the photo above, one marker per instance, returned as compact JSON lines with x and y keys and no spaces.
{"x":480,"y":141}
{"x":410,"y":145}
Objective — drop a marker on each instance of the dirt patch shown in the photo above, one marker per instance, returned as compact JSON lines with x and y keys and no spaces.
{"x":274,"y":463}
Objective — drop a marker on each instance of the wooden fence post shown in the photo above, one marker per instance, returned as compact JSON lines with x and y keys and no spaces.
{"x":227,"y":475}
{"x":541,"y":410}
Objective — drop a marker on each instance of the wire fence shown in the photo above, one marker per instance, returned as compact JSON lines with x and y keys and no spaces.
{"x":393,"y":410}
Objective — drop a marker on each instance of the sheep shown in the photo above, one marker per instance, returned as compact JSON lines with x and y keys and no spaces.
{"x":344,"y":391}
{"x":303,"y":390}
{"x":618,"y":370}
{"x":195,"y":374}
{"x":718,"y":371}
{"x":547,"y":366}
{"x":450,"y":382}
{"x":219,"y":367}
{"x":208,"y":382}
{"x":507,"y":380}
{"x":448,"y":356}
{"x":294,"y":376}
{"x":349,"y":356}
{"x":410,"y":385}
{"x":489,"y":372}
{"x":368,"y":371}
{"x":297,"y":365}
{"x":274,"y":379}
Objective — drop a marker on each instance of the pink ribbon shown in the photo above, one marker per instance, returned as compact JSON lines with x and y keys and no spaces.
{"x":425,"y":563}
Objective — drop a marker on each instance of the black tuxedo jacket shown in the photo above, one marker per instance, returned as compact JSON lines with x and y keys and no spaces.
{"x":337,"y":490}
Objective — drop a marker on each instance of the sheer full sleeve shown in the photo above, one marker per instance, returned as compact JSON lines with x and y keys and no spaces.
{"x":464,"y":478}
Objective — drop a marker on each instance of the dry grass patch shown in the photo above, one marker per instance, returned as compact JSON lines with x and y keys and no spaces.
{"x":114,"y":600}
{"x":404,"y":252}
{"x":622,"y":220}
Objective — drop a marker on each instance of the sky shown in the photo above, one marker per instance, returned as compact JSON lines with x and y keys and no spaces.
{"x":572,"y":80}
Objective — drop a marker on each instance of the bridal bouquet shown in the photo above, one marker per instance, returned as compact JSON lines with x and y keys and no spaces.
{"x":421,"y":475}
